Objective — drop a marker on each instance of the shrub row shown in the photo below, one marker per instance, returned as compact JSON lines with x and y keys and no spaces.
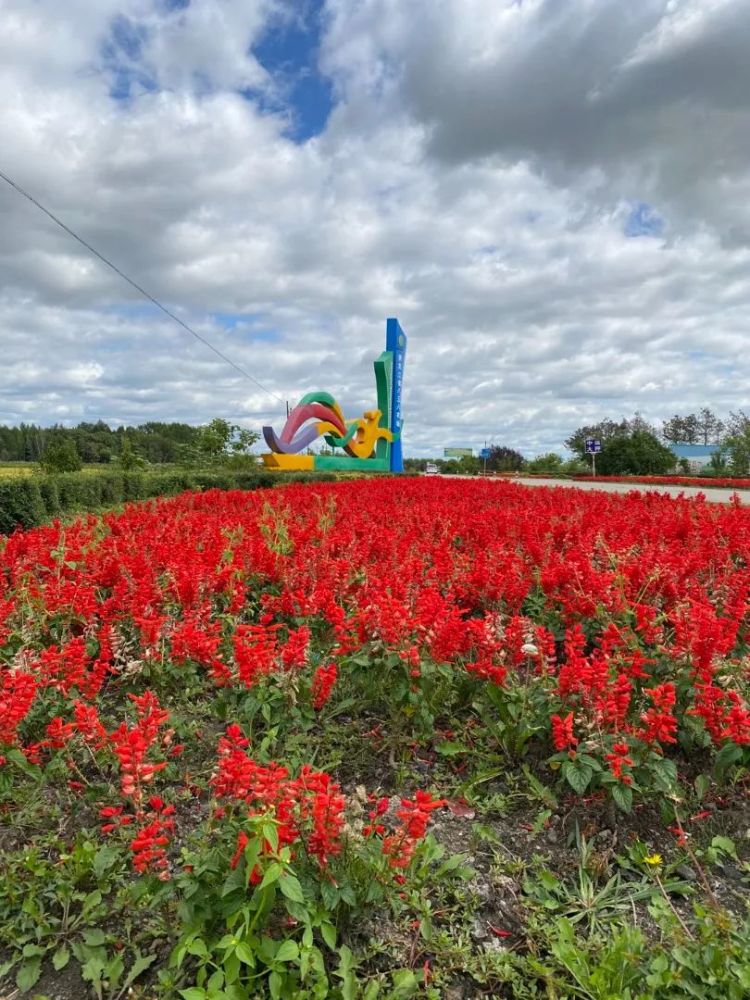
{"x":26,"y":501}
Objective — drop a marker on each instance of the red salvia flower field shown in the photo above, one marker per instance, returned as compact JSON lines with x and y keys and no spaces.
{"x":174,"y":668}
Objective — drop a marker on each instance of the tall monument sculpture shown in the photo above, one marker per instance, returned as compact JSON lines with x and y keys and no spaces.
{"x":370,"y":442}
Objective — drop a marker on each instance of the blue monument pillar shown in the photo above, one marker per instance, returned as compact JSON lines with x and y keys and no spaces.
{"x":395,"y":343}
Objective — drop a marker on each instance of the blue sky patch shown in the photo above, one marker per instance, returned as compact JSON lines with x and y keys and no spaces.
{"x":121,"y":54}
{"x":289,"y":52}
{"x":643,"y":221}
{"x":249,"y":325}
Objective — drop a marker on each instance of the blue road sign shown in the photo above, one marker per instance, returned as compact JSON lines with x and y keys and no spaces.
{"x":485,"y":453}
{"x":593,"y":446}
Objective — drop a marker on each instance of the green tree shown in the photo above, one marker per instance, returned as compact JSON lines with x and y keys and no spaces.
{"x":213,"y":440}
{"x":93,"y":441}
{"x":576,"y":466}
{"x":681,"y":429}
{"x":469,"y":465}
{"x":551,"y":463}
{"x":504,"y":459}
{"x":61,"y":456}
{"x":718,"y":463}
{"x":128,"y":459}
{"x":710,"y":427}
{"x":604,"y":430}
{"x":241,"y":446}
{"x":639,"y":453}
{"x":220,"y":442}
{"x":703,"y":427}
{"x":736,"y":444}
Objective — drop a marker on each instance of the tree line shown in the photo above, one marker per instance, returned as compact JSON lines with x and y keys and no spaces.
{"x":631,"y":446}
{"x":66,"y":449}
{"x":639,"y":447}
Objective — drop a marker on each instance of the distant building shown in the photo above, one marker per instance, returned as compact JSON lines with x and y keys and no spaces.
{"x":698,"y":456}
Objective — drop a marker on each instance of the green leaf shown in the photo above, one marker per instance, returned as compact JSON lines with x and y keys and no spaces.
{"x":235,"y":880}
{"x":297,"y":910}
{"x":193,"y":993}
{"x":702,"y":784}
{"x":329,"y":934}
{"x":405,"y":983}
{"x":361,"y":660}
{"x":548,"y":880}
{"x":273,"y":874}
{"x":725,"y":846}
{"x":291,"y":888}
{"x":271,"y":834}
{"x":541,"y":818}
{"x":91,"y":902}
{"x":61,"y":958}
{"x":274,"y":985}
{"x":140,"y":965}
{"x":451,"y":748}
{"x":14,"y":756}
{"x":346,"y":962}
{"x":729,"y":754}
{"x":94,"y":937}
{"x":348,"y":895}
{"x":622,"y":796}
{"x":304,"y":964}
{"x":245,"y":954}
{"x":234,"y":992}
{"x":231,"y":968}
{"x":451,"y":864}
{"x":92,"y":972}
{"x":578,"y":777}
{"x":588,"y":761}
{"x":288,"y":952}
{"x":665,"y":775}
{"x":330,"y":894}
{"x":198,"y":948}
{"x":113,"y":971}
{"x":104,"y":859}
{"x":29,"y":973}
{"x":215,"y":982}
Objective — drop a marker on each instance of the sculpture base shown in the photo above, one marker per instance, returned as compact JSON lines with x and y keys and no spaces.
{"x":345,"y":463}
{"x":289,"y":463}
{"x":328,"y":463}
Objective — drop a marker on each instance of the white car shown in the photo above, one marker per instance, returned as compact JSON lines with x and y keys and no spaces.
{"x":431,"y":469}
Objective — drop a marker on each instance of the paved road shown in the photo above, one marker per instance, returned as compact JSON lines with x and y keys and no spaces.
{"x":714,"y":495}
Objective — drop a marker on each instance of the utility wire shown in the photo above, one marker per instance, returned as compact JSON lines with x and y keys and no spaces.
{"x":134,"y":284}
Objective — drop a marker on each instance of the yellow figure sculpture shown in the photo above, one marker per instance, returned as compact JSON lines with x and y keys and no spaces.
{"x":367,"y":435}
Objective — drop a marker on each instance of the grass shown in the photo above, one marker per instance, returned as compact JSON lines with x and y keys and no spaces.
{"x":11,"y":469}
{"x":526,"y":906}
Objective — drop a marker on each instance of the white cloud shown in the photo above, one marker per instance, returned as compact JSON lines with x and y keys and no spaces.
{"x":475,"y":178}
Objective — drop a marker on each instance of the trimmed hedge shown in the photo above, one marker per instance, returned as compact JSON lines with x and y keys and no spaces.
{"x":26,"y":501}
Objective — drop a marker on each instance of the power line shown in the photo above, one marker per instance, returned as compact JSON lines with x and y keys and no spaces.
{"x":134,"y":284}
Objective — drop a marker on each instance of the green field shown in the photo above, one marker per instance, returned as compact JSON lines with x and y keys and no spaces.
{"x":9,"y":469}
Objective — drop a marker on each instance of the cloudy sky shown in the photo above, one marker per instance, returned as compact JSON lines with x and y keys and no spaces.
{"x":552,"y":195}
